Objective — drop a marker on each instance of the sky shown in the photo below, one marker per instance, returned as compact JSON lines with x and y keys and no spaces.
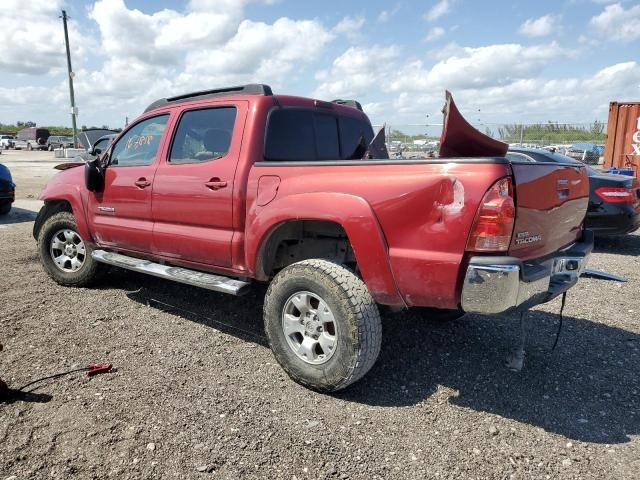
{"x":504,"y":61}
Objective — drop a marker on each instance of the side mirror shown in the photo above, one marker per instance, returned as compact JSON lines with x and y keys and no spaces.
{"x":94,"y":151}
{"x":94,"y":176}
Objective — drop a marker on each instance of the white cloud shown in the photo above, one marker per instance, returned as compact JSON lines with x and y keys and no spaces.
{"x":434,"y":34}
{"x":478,"y":67}
{"x":539,"y":27}
{"x":210,"y":44}
{"x":351,"y":27}
{"x":385,"y":15}
{"x":260,"y":51}
{"x":618,"y":23}
{"x":438,"y":10}
{"x":349,"y":24}
{"x":34,"y":43}
{"x":356,"y":71}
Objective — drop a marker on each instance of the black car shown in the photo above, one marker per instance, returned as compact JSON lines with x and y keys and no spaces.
{"x":57,"y":141}
{"x":7,"y":190}
{"x":614,"y":200}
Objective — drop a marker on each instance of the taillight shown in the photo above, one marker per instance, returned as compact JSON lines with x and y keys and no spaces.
{"x":616,"y":194}
{"x":493,"y":225}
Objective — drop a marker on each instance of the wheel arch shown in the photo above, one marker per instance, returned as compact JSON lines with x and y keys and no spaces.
{"x":65,"y":198}
{"x":345,"y":213}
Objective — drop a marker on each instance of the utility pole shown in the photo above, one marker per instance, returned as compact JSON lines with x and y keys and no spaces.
{"x":74,"y":110}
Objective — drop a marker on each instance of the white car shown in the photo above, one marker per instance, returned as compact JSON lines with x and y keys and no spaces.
{"x":7,"y":141}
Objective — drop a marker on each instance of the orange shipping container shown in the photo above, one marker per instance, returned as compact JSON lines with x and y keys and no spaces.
{"x":622,"y":149}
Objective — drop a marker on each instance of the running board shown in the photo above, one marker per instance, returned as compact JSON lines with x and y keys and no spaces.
{"x":217,"y":283}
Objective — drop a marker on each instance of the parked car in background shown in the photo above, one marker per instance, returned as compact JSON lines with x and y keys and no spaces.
{"x":57,"y":141}
{"x":589,"y":153}
{"x":32,"y":138}
{"x":87,"y":138}
{"x":7,"y":190}
{"x":101,"y":144}
{"x":614,"y":200}
{"x":224,"y":187}
{"x":7,"y":141}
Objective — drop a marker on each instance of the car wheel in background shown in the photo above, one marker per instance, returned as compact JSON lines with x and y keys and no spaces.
{"x":29,"y":147}
{"x":50,"y":148}
{"x":64,"y":254}
{"x":322,"y":324}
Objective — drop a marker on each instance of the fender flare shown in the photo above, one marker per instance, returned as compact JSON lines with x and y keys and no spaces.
{"x":72,"y":195}
{"x":353,"y":213}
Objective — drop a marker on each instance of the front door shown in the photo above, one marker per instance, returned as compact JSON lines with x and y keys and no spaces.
{"x":120,"y":215}
{"x":194,"y":186}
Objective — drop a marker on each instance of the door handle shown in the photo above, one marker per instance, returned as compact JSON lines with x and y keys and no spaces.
{"x":142,"y":183}
{"x":215,"y":184}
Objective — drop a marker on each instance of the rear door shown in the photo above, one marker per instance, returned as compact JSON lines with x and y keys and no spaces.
{"x":194,"y":185}
{"x":120,"y":215}
{"x":551,"y":203}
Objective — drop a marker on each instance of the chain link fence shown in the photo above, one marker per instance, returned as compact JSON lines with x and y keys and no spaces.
{"x":582,"y":141}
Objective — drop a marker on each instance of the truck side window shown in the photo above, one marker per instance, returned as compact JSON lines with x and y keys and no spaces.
{"x":327,"y":141}
{"x":355,"y":137}
{"x":290,"y":136}
{"x":139,"y":145}
{"x":203,"y":135}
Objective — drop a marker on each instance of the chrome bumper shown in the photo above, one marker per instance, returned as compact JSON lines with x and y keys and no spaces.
{"x":494,"y":285}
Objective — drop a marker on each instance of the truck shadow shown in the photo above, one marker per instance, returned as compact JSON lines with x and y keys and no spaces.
{"x":588,"y":389}
{"x":619,"y":245}
{"x":18,"y":215}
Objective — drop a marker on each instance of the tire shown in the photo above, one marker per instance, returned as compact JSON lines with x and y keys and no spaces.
{"x":86,"y":274}
{"x":50,"y":148}
{"x":29,"y":147}
{"x":355,"y":324}
{"x":5,"y":208}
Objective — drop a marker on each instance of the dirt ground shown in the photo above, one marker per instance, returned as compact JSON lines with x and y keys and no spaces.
{"x":197,"y":394}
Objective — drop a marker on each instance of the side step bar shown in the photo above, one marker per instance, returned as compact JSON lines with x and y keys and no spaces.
{"x":217,"y":283}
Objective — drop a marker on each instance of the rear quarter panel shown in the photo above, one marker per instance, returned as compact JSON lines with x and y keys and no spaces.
{"x":424,"y":211}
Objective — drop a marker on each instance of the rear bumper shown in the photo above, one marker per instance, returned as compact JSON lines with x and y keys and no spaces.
{"x":614,"y":221}
{"x":494,"y":285}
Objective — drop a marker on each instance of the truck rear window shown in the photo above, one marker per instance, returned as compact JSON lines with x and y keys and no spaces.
{"x":299,"y":135}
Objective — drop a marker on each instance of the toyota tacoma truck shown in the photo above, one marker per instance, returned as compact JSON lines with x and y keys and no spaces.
{"x":222,"y":188}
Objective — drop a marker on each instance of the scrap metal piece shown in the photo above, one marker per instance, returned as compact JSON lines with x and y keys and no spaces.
{"x":515,"y":360}
{"x":599,"y":274}
{"x":460,"y":139}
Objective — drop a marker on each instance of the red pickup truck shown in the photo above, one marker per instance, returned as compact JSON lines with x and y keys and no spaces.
{"x":222,"y":188}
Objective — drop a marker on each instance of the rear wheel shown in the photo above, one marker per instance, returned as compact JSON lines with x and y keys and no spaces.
{"x":64,"y":254}
{"x":322,"y":323}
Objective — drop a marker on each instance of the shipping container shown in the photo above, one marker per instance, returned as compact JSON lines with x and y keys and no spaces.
{"x":622,"y":149}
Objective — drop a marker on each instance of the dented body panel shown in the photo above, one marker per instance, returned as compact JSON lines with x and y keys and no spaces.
{"x":408,"y":221}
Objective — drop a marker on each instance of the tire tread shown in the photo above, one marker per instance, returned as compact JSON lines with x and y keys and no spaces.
{"x":367,"y":330}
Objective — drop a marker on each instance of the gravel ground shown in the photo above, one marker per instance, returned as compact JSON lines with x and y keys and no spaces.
{"x":197,"y":393}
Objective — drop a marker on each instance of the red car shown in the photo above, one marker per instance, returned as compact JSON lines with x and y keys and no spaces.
{"x":227,"y":187}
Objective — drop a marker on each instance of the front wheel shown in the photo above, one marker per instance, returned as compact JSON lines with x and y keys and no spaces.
{"x":322,"y":324}
{"x":5,"y":208}
{"x":64,"y":254}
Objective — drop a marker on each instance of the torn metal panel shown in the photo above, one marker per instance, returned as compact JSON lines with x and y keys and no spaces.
{"x":460,"y":139}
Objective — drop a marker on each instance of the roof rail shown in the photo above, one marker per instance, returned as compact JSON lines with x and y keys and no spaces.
{"x":350,"y":103}
{"x":250,"y":89}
